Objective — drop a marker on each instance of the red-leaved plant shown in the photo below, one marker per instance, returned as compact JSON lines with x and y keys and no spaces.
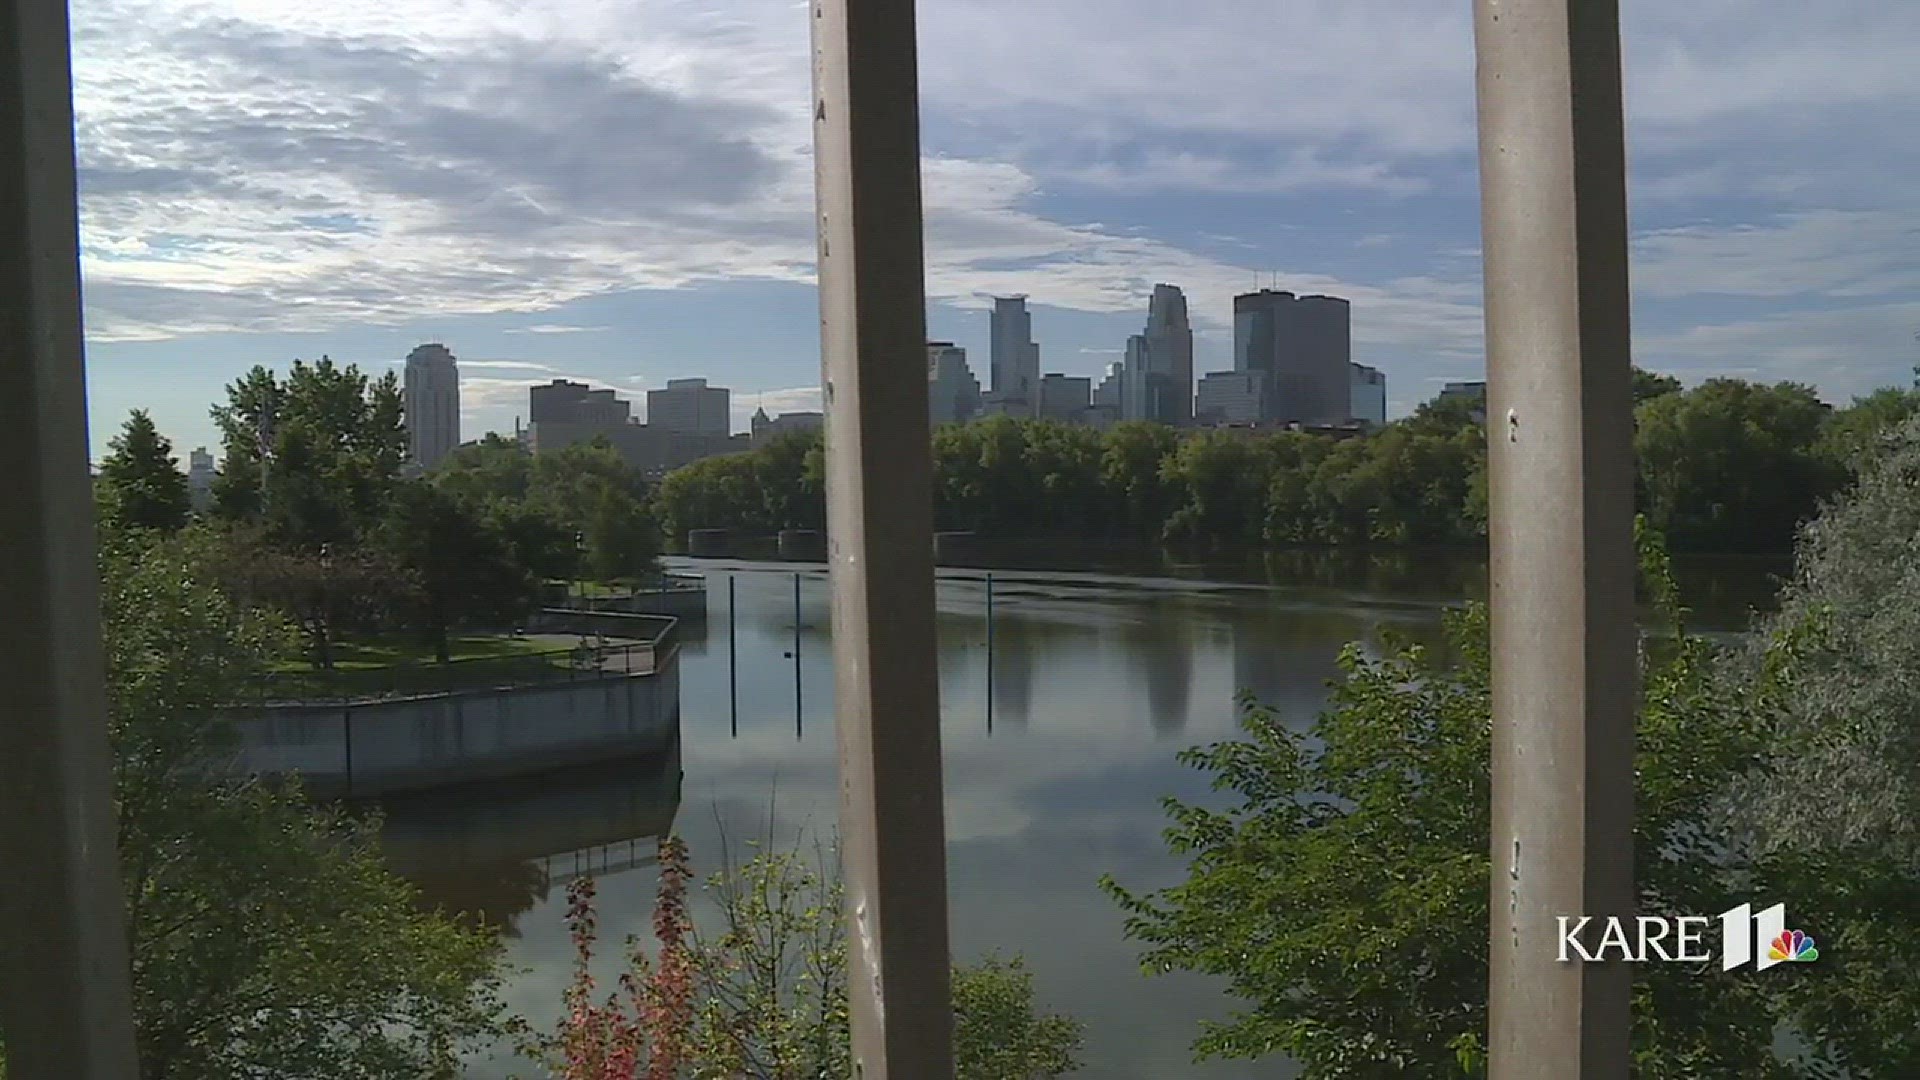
{"x":641,"y":1032}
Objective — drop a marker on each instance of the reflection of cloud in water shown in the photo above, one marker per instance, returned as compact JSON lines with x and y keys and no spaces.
{"x":1110,"y":676}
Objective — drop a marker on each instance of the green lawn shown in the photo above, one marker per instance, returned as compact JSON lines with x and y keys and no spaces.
{"x":370,"y":665}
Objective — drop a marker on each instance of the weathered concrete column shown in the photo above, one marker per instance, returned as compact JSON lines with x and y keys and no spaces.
{"x":880,"y":535}
{"x":1559,"y":419}
{"x":64,"y":1001}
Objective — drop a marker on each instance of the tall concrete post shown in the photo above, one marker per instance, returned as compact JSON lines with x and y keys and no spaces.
{"x":880,"y":535}
{"x":65,"y":1007}
{"x":1553,"y":183}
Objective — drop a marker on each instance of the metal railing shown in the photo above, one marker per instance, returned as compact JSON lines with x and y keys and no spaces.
{"x":594,"y":657}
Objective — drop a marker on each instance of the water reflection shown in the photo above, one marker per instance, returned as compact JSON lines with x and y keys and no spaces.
{"x":497,"y":850}
{"x":1097,"y":681}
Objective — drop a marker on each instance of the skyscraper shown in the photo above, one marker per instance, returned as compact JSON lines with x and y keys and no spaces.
{"x":1015,"y":358}
{"x":1135,"y":399}
{"x":431,"y":398}
{"x":1169,"y":375}
{"x":690,"y":407}
{"x":1369,"y":395}
{"x":1304,"y":345}
{"x":953,"y":394}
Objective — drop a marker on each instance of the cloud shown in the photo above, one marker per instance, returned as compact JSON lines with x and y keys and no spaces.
{"x":554,"y":328}
{"x":510,"y":365}
{"x":1843,"y":352}
{"x":1831,"y":253}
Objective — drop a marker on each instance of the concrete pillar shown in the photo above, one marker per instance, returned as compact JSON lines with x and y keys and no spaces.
{"x":1553,"y":181}
{"x":880,"y":535}
{"x":65,"y":1006}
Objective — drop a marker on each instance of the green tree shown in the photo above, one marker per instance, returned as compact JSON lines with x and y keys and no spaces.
{"x":267,"y":937}
{"x":1132,"y":466}
{"x":140,"y":483}
{"x":1733,"y":466}
{"x":1341,"y":890}
{"x":1855,"y":434}
{"x":463,"y":570}
{"x":1846,"y":641}
{"x":315,"y":452}
{"x":1222,"y":479}
{"x":1648,"y":385}
{"x":323,"y":591}
{"x":608,"y":504}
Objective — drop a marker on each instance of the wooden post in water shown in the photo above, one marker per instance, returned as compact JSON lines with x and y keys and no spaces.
{"x":990,"y":652}
{"x":733,"y":663}
{"x":798,"y":723}
{"x":1554,"y":224}
{"x":65,"y":1003}
{"x":873,"y":336}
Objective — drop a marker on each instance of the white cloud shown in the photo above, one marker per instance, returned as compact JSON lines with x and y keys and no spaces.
{"x":1834,"y":253}
{"x":555,"y":328}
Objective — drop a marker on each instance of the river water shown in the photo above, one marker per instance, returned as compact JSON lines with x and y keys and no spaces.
{"x":1054,"y":772}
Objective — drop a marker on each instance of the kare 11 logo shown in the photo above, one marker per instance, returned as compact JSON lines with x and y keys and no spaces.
{"x":1682,"y":939}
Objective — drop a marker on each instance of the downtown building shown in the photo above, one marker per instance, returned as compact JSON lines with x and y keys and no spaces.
{"x":1302,"y":346}
{"x":430,"y":396}
{"x":1014,"y":357}
{"x":953,"y":393}
{"x":567,"y":414}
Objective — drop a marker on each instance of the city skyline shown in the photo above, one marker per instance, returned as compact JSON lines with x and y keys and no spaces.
{"x":1773,"y":234}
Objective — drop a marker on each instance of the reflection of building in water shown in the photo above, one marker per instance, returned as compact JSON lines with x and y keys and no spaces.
{"x":1161,"y":643}
{"x":496,"y":851}
{"x":1014,"y":644}
{"x":1286,"y":658}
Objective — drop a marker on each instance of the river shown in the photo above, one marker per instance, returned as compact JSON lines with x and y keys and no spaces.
{"x":1053,"y":774}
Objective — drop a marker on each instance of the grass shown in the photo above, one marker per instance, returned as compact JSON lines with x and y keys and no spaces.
{"x":376,"y":665}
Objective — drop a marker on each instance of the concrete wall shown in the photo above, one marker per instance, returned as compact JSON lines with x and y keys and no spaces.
{"x":410,"y":744}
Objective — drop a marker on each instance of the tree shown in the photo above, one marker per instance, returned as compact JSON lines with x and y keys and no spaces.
{"x":329,"y":440}
{"x":1342,"y":888}
{"x":1648,"y":385}
{"x":1846,"y":642}
{"x":1733,"y":466}
{"x":266,"y":935}
{"x":323,"y":591}
{"x":1223,"y":478}
{"x":463,"y":569}
{"x":589,"y":488}
{"x":1131,"y":466}
{"x":140,"y":483}
{"x":1866,"y":428}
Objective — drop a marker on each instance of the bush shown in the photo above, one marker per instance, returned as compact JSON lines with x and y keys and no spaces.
{"x":764,"y":997}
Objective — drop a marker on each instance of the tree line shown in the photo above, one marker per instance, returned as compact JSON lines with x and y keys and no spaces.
{"x":1726,"y":467}
{"x":315,"y":515}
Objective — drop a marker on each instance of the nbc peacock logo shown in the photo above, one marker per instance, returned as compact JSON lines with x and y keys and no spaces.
{"x":1795,"y":946}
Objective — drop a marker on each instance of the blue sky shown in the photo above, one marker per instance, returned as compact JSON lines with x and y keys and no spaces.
{"x":619,"y":191}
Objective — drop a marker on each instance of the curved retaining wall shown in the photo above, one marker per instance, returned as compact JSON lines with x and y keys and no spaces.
{"x":411,"y":744}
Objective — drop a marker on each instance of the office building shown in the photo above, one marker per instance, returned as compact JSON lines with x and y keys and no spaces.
{"x":1015,"y":358}
{"x":1303,"y":344}
{"x":568,"y":415}
{"x":1464,"y":391}
{"x":764,"y":427}
{"x":1065,"y":397}
{"x":200,"y":477}
{"x":1168,"y":379}
{"x":953,"y":393}
{"x":1231,"y":397}
{"x":431,"y":398}
{"x":1134,"y":398}
{"x":690,"y":407}
{"x":563,"y":400}
{"x":1369,"y":396}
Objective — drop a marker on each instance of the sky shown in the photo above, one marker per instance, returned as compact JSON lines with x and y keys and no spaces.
{"x":620,"y":191}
